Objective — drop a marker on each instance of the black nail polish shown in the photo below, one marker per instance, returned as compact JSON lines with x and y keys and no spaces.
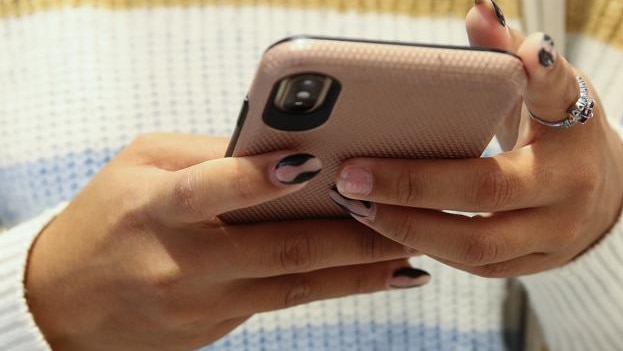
{"x":547,"y":53}
{"x":408,"y":277}
{"x":297,"y":169}
{"x":499,"y":14}
{"x":362,"y":209}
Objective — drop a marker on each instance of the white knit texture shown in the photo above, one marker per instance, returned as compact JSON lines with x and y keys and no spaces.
{"x":580,"y":305}
{"x":85,"y":81}
{"x":18,"y":331}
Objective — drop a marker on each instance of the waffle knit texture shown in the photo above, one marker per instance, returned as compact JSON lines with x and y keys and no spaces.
{"x":80,"y":79}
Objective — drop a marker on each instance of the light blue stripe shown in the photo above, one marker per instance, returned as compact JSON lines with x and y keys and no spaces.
{"x":26,"y":189}
{"x":360,"y":337}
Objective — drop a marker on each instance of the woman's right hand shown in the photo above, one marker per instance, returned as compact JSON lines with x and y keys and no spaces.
{"x":139,"y":260}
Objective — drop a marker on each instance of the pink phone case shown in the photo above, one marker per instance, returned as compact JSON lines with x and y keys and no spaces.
{"x":396,"y":100}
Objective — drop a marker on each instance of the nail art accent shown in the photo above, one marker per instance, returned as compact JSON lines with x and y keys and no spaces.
{"x":408,"y":277}
{"x":297,"y":169}
{"x":547,"y":53}
{"x":499,"y":14}
{"x":357,"y":208}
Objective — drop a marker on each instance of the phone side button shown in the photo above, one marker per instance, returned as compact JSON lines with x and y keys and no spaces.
{"x":243,"y":112}
{"x":241,"y":118}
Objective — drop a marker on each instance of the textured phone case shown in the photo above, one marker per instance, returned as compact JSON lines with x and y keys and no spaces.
{"x":398,"y":101}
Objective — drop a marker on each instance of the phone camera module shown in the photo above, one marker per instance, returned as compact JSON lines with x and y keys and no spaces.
{"x":303,"y":93}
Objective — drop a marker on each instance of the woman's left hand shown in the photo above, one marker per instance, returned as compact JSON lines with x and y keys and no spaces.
{"x":549,"y":199}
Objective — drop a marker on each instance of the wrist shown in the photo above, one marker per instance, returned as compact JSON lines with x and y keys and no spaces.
{"x":49,"y":291}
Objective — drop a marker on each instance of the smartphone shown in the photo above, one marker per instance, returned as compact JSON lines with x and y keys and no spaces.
{"x":340,"y":98}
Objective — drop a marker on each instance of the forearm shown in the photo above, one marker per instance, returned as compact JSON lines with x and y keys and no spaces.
{"x":18,"y":330}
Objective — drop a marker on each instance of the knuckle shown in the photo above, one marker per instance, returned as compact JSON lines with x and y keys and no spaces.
{"x":408,"y":187}
{"x":164,"y":286}
{"x":404,"y":231}
{"x":495,"y":190}
{"x":494,"y":270}
{"x":164,"y":281}
{"x":185,"y":194}
{"x":143,"y":142}
{"x":133,"y":219}
{"x":480,"y":249}
{"x":296,"y":253}
{"x":242,"y":182}
{"x":299,"y":291}
{"x":372,"y":246}
{"x":586,"y":177}
{"x":570,"y":234}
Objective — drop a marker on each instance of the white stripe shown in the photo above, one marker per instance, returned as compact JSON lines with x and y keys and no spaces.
{"x":604,"y":66}
{"x":17,"y":328}
{"x":581,"y":300}
{"x":91,"y":78}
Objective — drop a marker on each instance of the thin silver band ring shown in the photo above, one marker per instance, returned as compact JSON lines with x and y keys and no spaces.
{"x":581,"y":112}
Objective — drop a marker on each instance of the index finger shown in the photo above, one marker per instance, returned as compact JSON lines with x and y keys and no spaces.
{"x":508,"y":181}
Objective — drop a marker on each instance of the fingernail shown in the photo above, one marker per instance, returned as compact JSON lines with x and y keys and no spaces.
{"x":297,"y":169}
{"x":355,"y":180}
{"x":408,"y":277}
{"x":499,"y":14}
{"x":547,"y":53}
{"x":357,"y":208}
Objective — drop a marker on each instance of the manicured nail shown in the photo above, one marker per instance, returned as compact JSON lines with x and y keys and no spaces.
{"x":357,"y":208}
{"x":547,"y":53}
{"x":297,"y":169}
{"x":499,"y":14}
{"x":354,"y":180}
{"x":408,"y":277}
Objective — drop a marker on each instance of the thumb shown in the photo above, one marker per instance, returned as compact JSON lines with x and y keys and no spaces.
{"x":201,"y":192}
{"x":552,"y":85}
{"x":486,"y":26}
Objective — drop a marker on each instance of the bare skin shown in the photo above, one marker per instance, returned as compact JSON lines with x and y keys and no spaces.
{"x":547,"y":200}
{"x":139,"y":261}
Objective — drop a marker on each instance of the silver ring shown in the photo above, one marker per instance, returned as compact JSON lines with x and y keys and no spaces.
{"x":580,"y":112}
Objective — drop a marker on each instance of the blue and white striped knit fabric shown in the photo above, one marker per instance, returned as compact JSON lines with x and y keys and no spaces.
{"x":77,"y":84}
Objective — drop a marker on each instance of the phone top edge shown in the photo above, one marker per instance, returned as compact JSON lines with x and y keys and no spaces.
{"x":387,"y":42}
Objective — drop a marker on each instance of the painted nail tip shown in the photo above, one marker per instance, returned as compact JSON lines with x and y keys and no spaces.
{"x":410,"y":284}
{"x":410,"y":272}
{"x":294,"y":160}
{"x":297,"y":169}
{"x":546,"y":59}
{"x":499,"y":13}
{"x":547,"y":52}
{"x":350,"y":206}
{"x":302,"y":178}
{"x":346,"y":209}
{"x":399,"y":287}
{"x":349,"y":211}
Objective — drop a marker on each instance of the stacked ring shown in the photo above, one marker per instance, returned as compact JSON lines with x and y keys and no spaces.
{"x":580,"y":112}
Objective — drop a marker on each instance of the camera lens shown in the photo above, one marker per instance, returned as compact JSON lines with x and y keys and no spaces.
{"x":302,"y":94}
{"x":308,"y":83}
